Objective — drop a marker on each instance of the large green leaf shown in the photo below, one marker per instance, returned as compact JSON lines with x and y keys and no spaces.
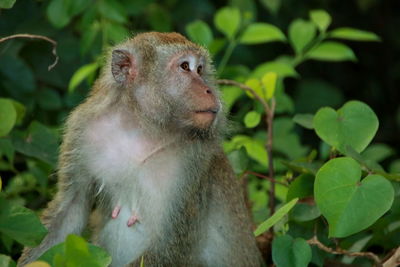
{"x":8,"y":116}
{"x":82,"y":73}
{"x":290,"y":252}
{"x":258,"y":33}
{"x":282,"y":69}
{"x":252,"y":119}
{"x":227,"y":20}
{"x":58,"y":13}
{"x":76,"y":252}
{"x":350,"y":205}
{"x":199,"y":32}
{"x":39,"y":142}
{"x":21,"y":224}
{"x":301,"y":33}
{"x":354,"y":34}
{"x":6,"y":261}
{"x":321,"y":19}
{"x":7,"y":3}
{"x":332,"y":51}
{"x":354,"y":124}
{"x":276,"y":217}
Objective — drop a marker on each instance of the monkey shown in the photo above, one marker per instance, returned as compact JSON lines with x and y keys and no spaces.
{"x":144,"y":149}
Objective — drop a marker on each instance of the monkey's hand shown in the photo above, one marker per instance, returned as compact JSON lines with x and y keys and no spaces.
{"x":132,"y":219}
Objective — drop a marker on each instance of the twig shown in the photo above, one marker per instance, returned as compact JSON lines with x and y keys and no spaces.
{"x":394,"y":260}
{"x":269,"y":111}
{"x":265,"y":177}
{"x":34,"y":36}
{"x":339,"y":251}
{"x":245,"y":88}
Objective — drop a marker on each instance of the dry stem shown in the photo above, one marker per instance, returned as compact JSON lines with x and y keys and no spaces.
{"x":34,"y":36}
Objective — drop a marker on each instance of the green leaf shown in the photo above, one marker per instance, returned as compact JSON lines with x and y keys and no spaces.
{"x":239,"y":160}
{"x":75,"y":251}
{"x":230,"y":94}
{"x":8,"y":116}
{"x":252,"y":119}
{"x":377,"y":152}
{"x":269,"y":83}
{"x":354,"y":34}
{"x":20,"y":109}
{"x":354,"y":124}
{"x":112,"y":10}
{"x":57,"y":12}
{"x":256,"y":86}
{"x":39,"y":142}
{"x":282,"y":69}
{"x":332,"y":51}
{"x":272,"y":5}
{"x":115,"y":32}
{"x":289,"y":252}
{"x":255,"y":148}
{"x":321,"y":19}
{"x":277,"y":216}
{"x":348,"y":204}
{"x":305,"y":120}
{"x":7,"y":3}
{"x":82,"y":73}
{"x":301,"y":187}
{"x":301,"y":33}
{"x":159,"y":18}
{"x":304,"y":212}
{"x":257,"y":33}
{"x":199,"y":32}
{"x":227,"y":20}
{"x":49,"y":99}
{"x":21,"y":224}
{"x":6,"y":261}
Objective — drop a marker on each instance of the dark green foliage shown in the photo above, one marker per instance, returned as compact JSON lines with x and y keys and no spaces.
{"x":293,"y":53}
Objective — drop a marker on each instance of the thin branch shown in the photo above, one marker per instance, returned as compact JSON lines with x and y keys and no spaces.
{"x":339,"y":251}
{"x":34,"y":36}
{"x":268,"y":146}
{"x":264,"y":177}
{"x":245,"y":88}
{"x":394,"y":260}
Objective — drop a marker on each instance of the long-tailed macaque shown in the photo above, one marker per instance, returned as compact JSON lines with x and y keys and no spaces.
{"x":144,"y":150}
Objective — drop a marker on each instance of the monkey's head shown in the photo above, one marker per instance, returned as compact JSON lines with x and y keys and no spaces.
{"x":171,"y":82}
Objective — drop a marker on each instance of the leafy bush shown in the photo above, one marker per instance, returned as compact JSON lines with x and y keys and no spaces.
{"x":316,"y":200}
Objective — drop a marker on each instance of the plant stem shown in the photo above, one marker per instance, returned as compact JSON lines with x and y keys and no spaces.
{"x":227,"y":55}
{"x":271,"y":173}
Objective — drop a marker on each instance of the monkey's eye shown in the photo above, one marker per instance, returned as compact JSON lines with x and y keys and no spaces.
{"x":200,"y":69}
{"x":185,"y":66}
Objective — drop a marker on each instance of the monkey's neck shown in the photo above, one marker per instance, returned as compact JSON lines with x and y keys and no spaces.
{"x":157,"y":150}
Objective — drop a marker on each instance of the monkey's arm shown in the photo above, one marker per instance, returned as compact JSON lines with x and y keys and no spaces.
{"x":229,"y":240}
{"x":67,"y":213}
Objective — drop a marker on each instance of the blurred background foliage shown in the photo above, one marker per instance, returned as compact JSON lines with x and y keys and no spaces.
{"x":36,"y":101}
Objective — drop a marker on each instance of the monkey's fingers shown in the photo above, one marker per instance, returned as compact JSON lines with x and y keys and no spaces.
{"x":115,"y":212}
{"x":132,"y":220}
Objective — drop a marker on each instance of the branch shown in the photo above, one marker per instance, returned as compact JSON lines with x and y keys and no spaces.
{"x":34,"y":36}
{"x":339,"y":251}
{"x":394,"y":260}
{"x":264,"y":177}
{"x":246,"y":88}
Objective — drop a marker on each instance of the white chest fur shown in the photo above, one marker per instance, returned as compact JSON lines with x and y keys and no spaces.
{"x":138,"y":174}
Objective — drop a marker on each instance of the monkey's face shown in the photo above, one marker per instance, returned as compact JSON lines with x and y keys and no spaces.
{"x":173,"y":84}
{"x":188,"y":84}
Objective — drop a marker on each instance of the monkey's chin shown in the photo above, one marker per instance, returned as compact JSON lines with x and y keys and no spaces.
{"x":203,"y":119}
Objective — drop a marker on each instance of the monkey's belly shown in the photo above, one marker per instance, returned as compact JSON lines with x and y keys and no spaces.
{"x":124,"y":243}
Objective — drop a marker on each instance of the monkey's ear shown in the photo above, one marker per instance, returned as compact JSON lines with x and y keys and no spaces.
{"x":123,"y":66}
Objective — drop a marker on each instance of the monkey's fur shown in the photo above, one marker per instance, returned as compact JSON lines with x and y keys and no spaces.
{"x":147,"y":139}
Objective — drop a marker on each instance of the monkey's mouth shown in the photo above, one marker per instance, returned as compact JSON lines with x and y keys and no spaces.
{"x":205,"y":111}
